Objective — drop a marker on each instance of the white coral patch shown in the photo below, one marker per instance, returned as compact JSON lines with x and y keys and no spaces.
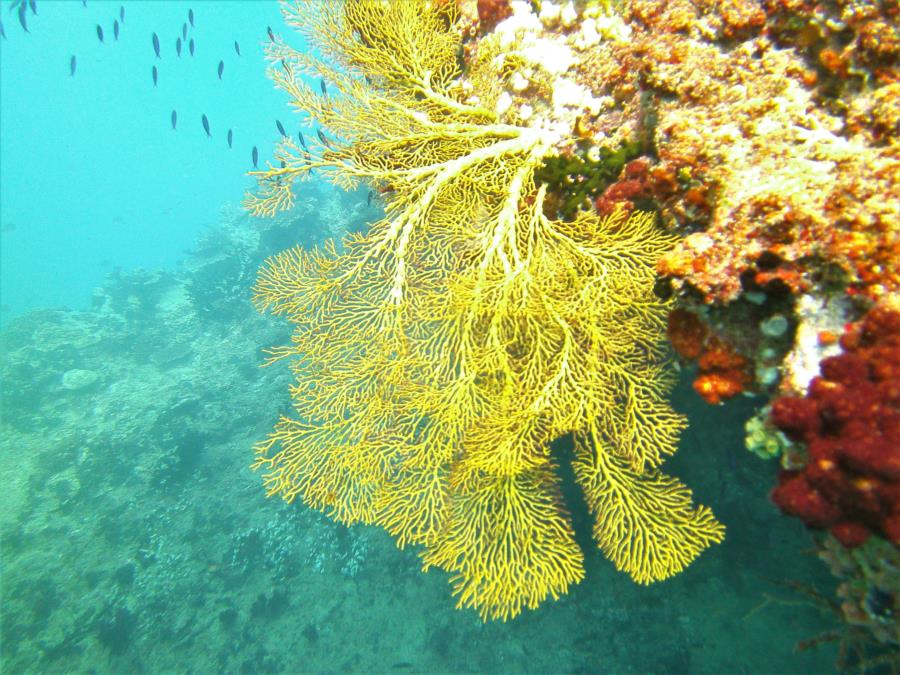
{"x":549,"y":13}
{"x":589,"y":36}
{"x":569,"y":94}
{"x":504,"y":101}
{"x":613,"y":27}
{"x":554,"y":57}
{"x":518,"y":81}
{"x":569,"y":15}
{"x":523,"y":20}
{"x":814,"y":315}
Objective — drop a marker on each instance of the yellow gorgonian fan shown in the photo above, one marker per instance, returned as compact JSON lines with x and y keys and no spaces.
{"x":440,"y":353}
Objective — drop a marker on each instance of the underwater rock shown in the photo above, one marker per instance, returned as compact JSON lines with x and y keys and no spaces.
{"x":78,"y":379}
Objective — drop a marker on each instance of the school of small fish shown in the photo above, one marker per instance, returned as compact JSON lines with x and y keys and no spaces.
{"x":22,"y":8}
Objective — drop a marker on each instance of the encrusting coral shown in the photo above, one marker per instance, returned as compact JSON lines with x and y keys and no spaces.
{"x":722,"y":371}
{"x":850,"y":423}
{"x":794,"y":175}
{"x":441,"y":352}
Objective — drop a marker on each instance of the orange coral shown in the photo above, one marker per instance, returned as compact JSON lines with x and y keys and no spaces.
{"x":686,"y":333}
{"x":749,"y":160}
{"x":723,"y":371}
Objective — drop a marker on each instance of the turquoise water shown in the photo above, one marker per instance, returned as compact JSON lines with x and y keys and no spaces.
{"x":134,"y":536}
{"x":93,"y":175}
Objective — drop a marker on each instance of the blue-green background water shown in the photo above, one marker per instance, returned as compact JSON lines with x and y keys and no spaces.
{"x":92,"y":174}
{"x":134,"y":536}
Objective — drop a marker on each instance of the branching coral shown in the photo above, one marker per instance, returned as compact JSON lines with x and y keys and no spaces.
{"x":441,"y":352}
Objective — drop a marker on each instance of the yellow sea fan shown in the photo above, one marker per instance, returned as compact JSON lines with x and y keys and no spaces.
{"x":441,"y":352}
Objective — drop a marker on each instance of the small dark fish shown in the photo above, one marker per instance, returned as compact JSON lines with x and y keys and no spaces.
{"x":116,"y":29}
{"x":271,"y":34}
{"x":280,"y":128}
{"x":205,"y":124}
{"x":237,"y":48}
{"x":221,"y":69}
{"x":191,"y":17}
{"x":155,"y":75}
{"x":369,"y":198}
{"x":156,"y":44}
{"x":283,"y":164}
{"x":100,"y":32}
{"x":255,"y":156}
{"x":72,"y":65}
{"x":22,"y":20}
{"x":178,"y":47}
{"x":122,"y":13}
{"x":322,"y":138}
{"x":2,"y":32}
{"x":174,"y":119}
{"x":191,"y":46}
{"x":33,"y":5}
{"x":184,"y":31}
{"x":323,"y":88}
{"x":302,"y":140}
{"x":230,"y":137}
{"x":286,"y":67}
{"x":84,"y":3}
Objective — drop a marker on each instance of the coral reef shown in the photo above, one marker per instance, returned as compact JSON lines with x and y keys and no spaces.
{"x":792,"y":182}
{"x":135,"y":539}
{"x":763,"y":133}
{"x":820,"y":321}
{"x":722,"y":371}
{"x":490,"y":13}
{"x":440,"y":352}
{"x":763,"y":440}
{"x":869,"y":591}
{"x":781,"y":172}
{"x":846,"y":43}
{"x":850,"y":425}
{"x":113,"y":419}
